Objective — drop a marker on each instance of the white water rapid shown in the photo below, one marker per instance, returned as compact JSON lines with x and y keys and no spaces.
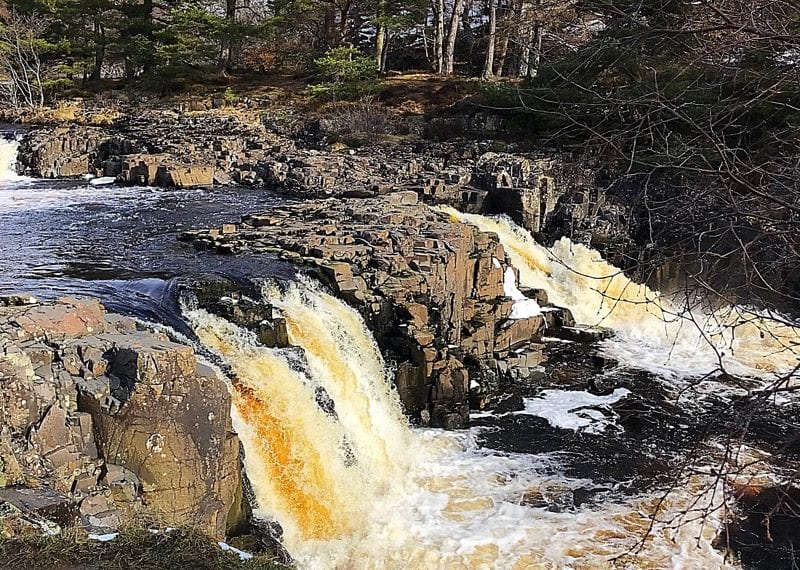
{"x":651,"y":332}
{"x":8,"y":160}
{"x":361,"y":490}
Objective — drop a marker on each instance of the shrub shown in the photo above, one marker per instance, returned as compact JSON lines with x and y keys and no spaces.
{"x":230,"y":97}
{"x":346,"y":74}
{"x":356,"y":123}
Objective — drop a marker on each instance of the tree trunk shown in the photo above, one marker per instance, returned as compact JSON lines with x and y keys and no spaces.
{"x":533,"y":68}
{"x":501,"y":61}
{"x":380,"y":46}
{"x":99,"y":51}
{"x":438,"y":48}
{"x":385,"y":56}
{"x":452,"y":34}
{"x":225,"y":63}
{"x":488,"y":68}
{"x":531,"y":45}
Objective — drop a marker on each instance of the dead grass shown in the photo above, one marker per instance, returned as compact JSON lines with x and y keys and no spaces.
{"x":62,"y":113}
{"x":135,"y":548}
{"x":102,"y":118}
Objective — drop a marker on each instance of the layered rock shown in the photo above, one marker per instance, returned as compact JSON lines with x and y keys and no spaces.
{"x":104,"y":421}
{"x":158,"y":148}
{"x":550,"y":195}
{"x":430,"y":288}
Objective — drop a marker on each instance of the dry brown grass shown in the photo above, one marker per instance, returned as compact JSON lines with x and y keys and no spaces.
{"x":135,"y":548}
{"x":62,"y":113}
{"x":103,"y":118}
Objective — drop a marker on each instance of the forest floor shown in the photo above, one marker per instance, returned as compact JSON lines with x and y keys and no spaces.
{"x":399,"y":94}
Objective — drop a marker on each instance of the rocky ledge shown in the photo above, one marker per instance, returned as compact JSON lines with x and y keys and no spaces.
{"x":436,"y":293}
{"x":550,"y":195}
{"x":105,"y":421}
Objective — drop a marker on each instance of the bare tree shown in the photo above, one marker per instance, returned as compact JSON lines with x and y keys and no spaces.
{"x":21,"y":71}
{"x":438,"y":46}
{"x":452,"y":33}
{"x":488,"y":67}
{"x":692,"y":114}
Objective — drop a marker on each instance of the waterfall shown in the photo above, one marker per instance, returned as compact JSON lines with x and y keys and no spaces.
{"x":651,"y":332}
{"x":353,"y":486}
{"x":8,"y":159}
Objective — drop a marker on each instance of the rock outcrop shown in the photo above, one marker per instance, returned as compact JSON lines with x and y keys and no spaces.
{"x":432,"y":290}
{"x":550,"y":195}
{"x":104,"y":420}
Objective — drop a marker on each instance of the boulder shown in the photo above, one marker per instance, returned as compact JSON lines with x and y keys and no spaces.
{"x":111,"y":421}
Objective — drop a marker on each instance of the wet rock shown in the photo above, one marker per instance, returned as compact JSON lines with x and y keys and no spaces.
{"x":582,"y":333}
{"x":174,"y":433}
{"x":554,"y":496}
{"x":44,"y":503}
{"x":508,"y":403}
{"x":431,"y":290}
{"x":17,"y":299}
{"x":98,"y":515}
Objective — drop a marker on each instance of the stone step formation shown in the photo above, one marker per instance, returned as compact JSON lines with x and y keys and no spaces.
{"x":431,"y":289}
{"x":549,"y":195}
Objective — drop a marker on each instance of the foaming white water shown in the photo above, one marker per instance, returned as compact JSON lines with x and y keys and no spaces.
{"x":574,"y":409}
{"x":360,"y":490}
{"x":23,"y":194}
{"x":8,"y":160}
{"x":651,"y":332}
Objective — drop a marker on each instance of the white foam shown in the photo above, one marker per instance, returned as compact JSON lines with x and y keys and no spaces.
{"x":8,"y":161}
{"x":33,"y":197}
{"x":103,"y":181}
{"x":409,"y":499}
{"x":575,"y":410}
{"x":103,"y":537}
{"x":651,"y":332}
{"x":523,"y":307}
{"x":240,"y":553}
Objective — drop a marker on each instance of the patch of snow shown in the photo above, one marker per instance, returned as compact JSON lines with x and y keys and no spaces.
{"x":241,"y":553}
{"x":575,"y":410}
{"x":555,"y":339}
{"x":103,"y":537}
{"x":788,"y":57}
{"x":595,"y":25}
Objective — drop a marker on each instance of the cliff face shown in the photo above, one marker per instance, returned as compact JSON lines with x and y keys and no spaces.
{"x":432,"y":290}
{"x":105,"y":421}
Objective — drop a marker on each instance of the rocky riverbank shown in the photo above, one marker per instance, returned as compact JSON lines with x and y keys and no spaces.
{"x":106,"y":421}
{"x":434,"y":292}
{"x":550,"y":195}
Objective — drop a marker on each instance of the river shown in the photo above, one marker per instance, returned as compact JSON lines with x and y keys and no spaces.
{"x":579,"y":479}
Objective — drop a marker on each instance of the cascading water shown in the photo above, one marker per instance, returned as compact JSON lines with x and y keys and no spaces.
{"x":651,"y":332}
{"x":355,"y":487}
{"x":8,"y":159}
